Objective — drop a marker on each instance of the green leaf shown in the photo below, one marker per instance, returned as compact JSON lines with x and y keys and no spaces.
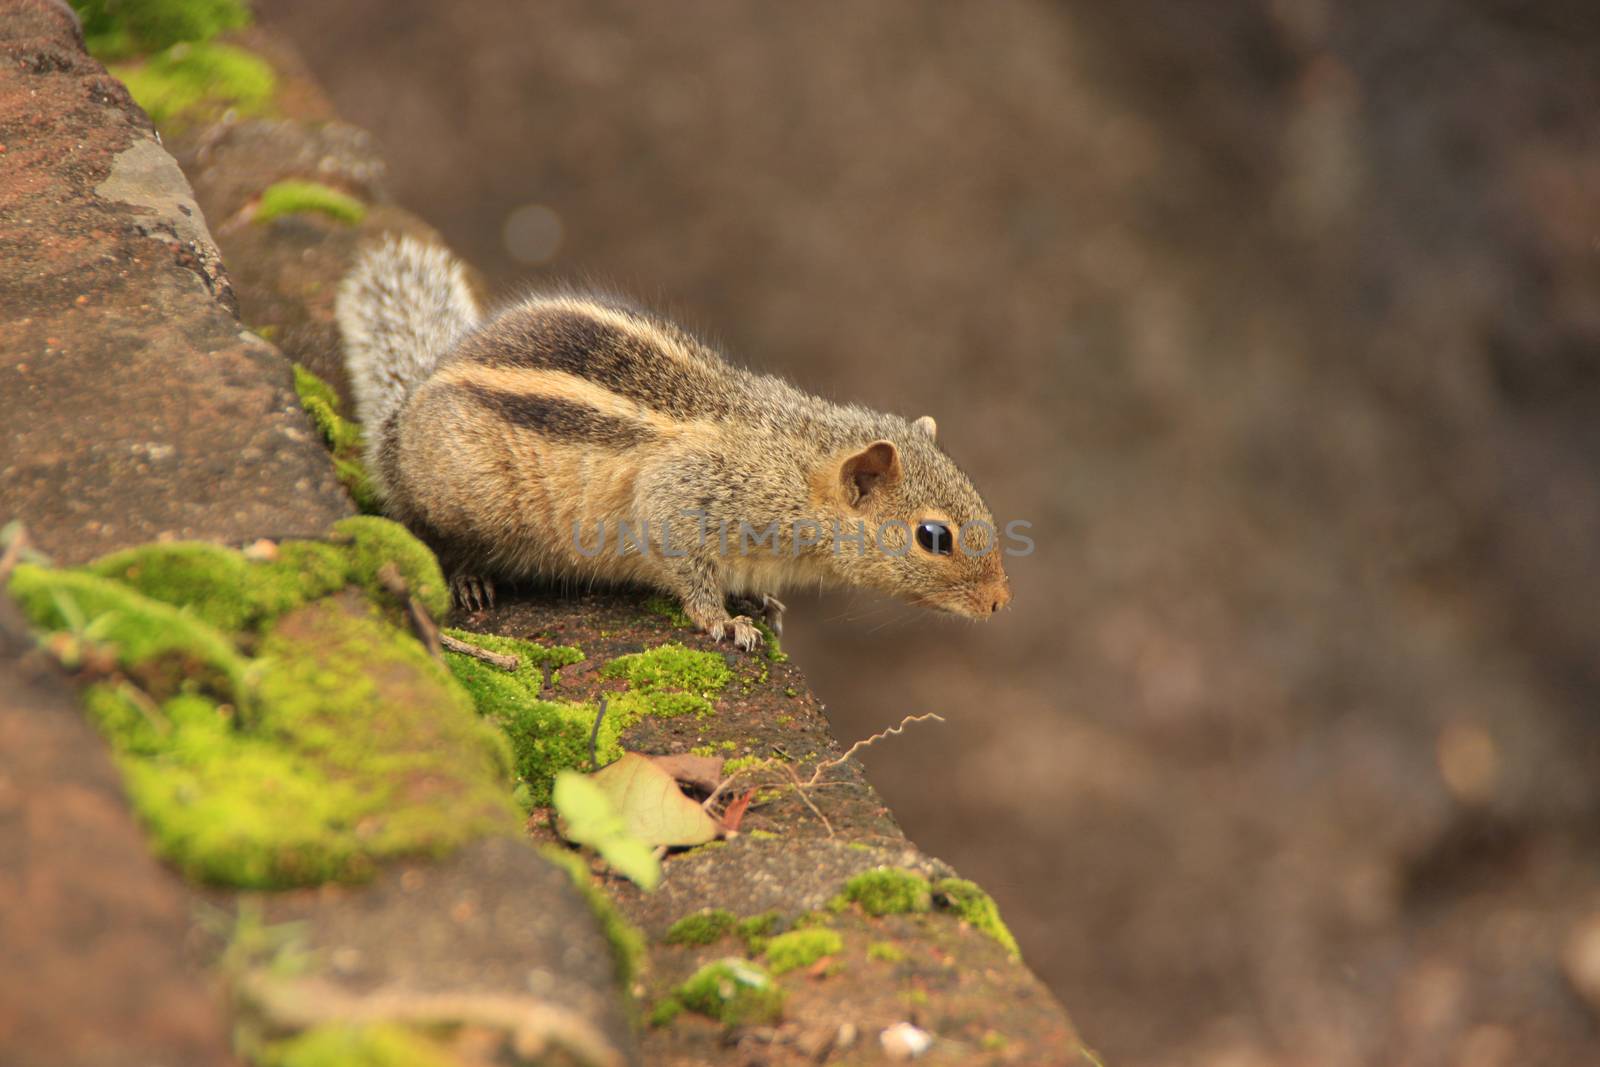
{"x":590,"y":818}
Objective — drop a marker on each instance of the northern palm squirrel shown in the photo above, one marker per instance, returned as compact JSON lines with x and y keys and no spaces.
{"x":574,"y":436}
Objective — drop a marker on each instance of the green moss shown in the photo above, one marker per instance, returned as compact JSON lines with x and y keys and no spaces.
{"x":671,"y":668}
{"x":534,"y":657}
{"x":807,"y":920}
{"x":292,"y":197}
{"x":161,"y":647}
{"x":547,"y":736}
{"x":665,"y":682}
{"x":976,"y":907}
{"x":355,"y":1045}
{"x":627,"y":942}
{"x":374,"y":543}
{"x":770,"y":645}
{"x":885,"y":952}
{"x":701,"y":928}
{"x":115,"y":28}
{"x":761,"y":835}
{"x":633,"y":706}
{"x":340,"y":744}
{"x":757,"y":930}
{"x":221,"y":586}
{"x":888,"y":891}
{"x":707,"y":847}
{"x":734,"y":766}
{"x":801,"y":948}
{"x":189,"y":83}
{"x":331,"y":774}
{"x":341,"y":435}
{"x":224,"y":589}
{"x":734,"y":992}
{"x":669,"y":609}
{"x":665,"y":1011}
{"x":993,"y":1041}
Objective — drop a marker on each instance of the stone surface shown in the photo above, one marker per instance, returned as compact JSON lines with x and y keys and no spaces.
{"x":493,"y":938}
{"x":792,"y":856}
{"x":94,"y":969}
{"x":135,"y":406}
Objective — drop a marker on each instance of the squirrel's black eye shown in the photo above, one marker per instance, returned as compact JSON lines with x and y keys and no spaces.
{"x":935,"y":537}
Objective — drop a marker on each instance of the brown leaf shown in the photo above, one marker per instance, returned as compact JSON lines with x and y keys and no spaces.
{"x":736,"y":809}
{"x":702,"y":772}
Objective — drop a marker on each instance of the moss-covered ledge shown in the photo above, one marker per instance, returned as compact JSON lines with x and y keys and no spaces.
{"x":950,"y":969}
{"x":298,"y":671}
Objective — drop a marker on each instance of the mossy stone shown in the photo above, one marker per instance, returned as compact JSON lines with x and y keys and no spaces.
{"x":802,"y":948}
{"x":116,"y":27}
{"x":162,"y":647}
{"x":667,"y":681}
{"x":888,"y":891}
{"x":292,"y":197}
{"x":232,"y":593}
{"x":734,"y":992}
{"x":671,"y":668}
{"x":701,"y":928}
{"x":546,"y":736}
{"x":970,"y":902}
{"x":374,"y":543}
{"x":359,"y":748}
{"x":356,"y":1045}
{"x":342,"y":436}
{"x":627,"y":942}
{"x":193,"y":82}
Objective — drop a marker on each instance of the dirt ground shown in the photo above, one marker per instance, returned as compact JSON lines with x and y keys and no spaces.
{"x":1280,"y":322}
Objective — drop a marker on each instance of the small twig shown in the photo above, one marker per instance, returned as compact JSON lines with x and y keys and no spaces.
{"x":426,"y":629}
{"x":455,"y":644}
{"x":879,"y":736}
{"x":422,"y":624}
{"x":146,"y":707}
{"x":727,"y":783}
{"x":801,"y":790}
{"x":594,"y":737}
{"x":8,"y":562}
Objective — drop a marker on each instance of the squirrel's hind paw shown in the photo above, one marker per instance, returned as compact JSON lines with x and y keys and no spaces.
{"x":746,"y":636}
{"x":772,"y":610}
{"x":472,"y":593}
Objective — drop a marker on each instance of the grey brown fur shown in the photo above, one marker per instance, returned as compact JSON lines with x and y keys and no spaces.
{"x":496,"y":437}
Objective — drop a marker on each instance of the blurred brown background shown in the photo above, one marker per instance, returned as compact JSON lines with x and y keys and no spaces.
{"x":1280,"y":321}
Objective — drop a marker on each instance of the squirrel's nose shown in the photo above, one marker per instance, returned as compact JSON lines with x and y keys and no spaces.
{"x":1002,"y":597}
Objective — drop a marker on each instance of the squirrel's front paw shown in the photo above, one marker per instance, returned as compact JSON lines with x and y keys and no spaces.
{"x":471,"y":593}
{"x":746,"y":636}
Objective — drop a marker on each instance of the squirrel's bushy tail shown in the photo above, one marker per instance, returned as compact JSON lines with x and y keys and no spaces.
{"x":401,"y":307}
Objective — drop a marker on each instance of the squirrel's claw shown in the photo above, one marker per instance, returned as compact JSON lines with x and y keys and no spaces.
{"x":772,"y":610}
{"x":472,"y":593}
{"x":746,"y":636}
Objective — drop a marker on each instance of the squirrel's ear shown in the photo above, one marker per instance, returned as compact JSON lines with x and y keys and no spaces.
{"x":874,"y":466}
{"x":927,"y":426}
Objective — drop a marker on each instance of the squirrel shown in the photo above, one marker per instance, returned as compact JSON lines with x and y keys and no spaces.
{"x":572,"y":435}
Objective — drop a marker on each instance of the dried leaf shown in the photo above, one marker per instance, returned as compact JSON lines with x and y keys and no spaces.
{"x":702,"y":772}
{"x":653,"y":808}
